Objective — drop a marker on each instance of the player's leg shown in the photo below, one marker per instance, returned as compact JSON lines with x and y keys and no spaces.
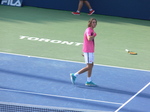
{"x":87,"y":4}
{"x":80,"y":5}
{"x":74,"y":75}
{"x":89,"y":60}
{"x":90,"y":67}
{"x":91,"y":11}
{"x":85,"y":69}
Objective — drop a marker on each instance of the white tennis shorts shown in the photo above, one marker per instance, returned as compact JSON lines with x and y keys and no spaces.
{"x":89,"y":58}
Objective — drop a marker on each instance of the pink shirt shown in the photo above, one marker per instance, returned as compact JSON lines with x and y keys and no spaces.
{"x":88,"y":45}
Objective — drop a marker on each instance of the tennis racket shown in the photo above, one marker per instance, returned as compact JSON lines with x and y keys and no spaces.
{"x":130,"y":52}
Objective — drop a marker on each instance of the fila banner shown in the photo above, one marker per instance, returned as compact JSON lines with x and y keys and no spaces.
{"x":17,"y":3}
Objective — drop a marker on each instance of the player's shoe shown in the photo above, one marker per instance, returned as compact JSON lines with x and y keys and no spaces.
{"x":90,"y":84}
{"x":75,"y":13}
{"x":73,"y":78}
{"x":91,"y":12}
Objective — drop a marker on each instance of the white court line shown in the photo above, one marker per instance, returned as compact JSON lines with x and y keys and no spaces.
{"x":58,"y":96}
{"x":132,"y":97}
{"x":75,"y":62}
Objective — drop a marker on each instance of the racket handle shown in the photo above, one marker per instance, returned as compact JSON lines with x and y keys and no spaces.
{"x":127,"y":50}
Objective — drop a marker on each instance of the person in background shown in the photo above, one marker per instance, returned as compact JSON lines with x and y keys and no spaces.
{"x":80,"y":5}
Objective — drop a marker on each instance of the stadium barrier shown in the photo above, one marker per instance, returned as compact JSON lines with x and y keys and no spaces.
{"x":139,"y":9}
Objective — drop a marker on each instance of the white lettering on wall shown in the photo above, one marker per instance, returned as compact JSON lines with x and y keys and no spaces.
{"x":11,"y":2}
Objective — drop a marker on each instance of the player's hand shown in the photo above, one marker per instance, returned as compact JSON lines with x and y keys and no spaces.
{"x":94,"y":34}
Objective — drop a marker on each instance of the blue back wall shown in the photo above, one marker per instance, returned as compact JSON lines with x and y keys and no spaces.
{"x":139,"y":9}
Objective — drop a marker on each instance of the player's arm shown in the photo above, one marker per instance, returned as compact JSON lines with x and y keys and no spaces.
{"x":91,"y":37}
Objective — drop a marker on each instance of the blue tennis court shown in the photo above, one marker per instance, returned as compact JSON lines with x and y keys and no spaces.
{"x":45,"y":83}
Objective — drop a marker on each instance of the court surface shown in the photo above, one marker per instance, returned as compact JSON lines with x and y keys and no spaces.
{"x":46,"y":82}
{"x":39,"y":48}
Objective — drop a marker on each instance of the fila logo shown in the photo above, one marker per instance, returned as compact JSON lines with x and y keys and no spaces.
{"x":12,"y":2}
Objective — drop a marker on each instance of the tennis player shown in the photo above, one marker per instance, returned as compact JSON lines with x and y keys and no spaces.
{"x":88,"y":52}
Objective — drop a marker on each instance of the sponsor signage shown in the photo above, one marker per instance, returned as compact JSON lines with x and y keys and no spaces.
{"x":17,"y":3}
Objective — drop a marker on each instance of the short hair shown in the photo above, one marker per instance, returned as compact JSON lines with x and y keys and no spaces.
{"x":90,"y":21}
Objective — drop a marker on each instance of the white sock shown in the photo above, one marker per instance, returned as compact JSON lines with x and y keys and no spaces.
{"x":90,"y":9}
{"x":89,"y":79}
{"x":76,"y":74}
{"x":78,"y":11}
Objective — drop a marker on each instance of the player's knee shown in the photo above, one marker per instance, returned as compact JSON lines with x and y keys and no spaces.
{"x":90,"y":66}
